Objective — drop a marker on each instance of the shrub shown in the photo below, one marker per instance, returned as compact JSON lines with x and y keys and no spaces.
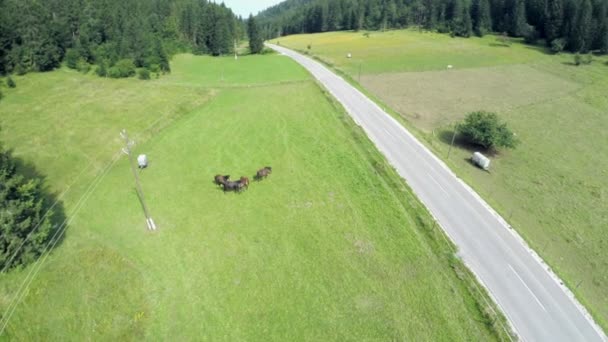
{"x":72,"y":57}
{"x":20,"y":70}
{"x":1,"y":95}
{"x":83,"y":66}
{"x":485,"y":129}
{"x":143,"y":74}
{"x":101,"y":70}
{"x":582,"y":59}
{"x":122,"y":68}
{"x":10,"y":82}
{"x":557,"y":45}
{"x":531,"y":34}
{"x":155,"y":68}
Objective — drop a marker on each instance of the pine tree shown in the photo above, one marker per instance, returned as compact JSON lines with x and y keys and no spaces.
{"x":256,"y":45}
{"x":554,"y":14}
{"x":580,"y":38}
{"x":482,"y":20}
{"x":603,"y":33}
{"x":516,"y":14}
{"x":22,"y":213}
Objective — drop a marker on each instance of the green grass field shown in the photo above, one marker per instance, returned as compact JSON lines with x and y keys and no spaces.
{"x":332,"y":246}
{"x":553,"y":189}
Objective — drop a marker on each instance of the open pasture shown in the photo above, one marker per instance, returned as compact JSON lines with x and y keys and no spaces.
{"x":330,"y":246}
{"x":553,"y":188}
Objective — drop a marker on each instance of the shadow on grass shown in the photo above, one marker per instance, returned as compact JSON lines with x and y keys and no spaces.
{"x":446,"y":136}
{"x":52,"y":208}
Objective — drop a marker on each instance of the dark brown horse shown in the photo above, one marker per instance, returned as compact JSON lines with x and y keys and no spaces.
{"x":244,"y":182}
{"x":219,"y":179}
{"x":263,"y":173}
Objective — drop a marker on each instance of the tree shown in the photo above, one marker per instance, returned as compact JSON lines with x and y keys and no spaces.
{"x":25,"y":229}
{"x":71,"y":58}
{"x":580,"y":38}
{"x":10,"y":82}
{"x":461,"y":19}
{"x":554,"y":14}
{"x":516,"y":15}
{"x":485,"y":129}
{"x":256,"y":44}
{"x":482,"y":21}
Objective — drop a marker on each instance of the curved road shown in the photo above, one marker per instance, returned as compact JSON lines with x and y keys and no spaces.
{"x":533,"y":299}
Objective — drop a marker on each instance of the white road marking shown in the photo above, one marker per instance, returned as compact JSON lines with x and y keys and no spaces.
{"x":532,"y":293}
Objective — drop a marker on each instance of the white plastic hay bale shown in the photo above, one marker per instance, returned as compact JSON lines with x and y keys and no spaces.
{"x":481,"y":160}
{"x":142,"y":161}
{"x":450,"y":66}
{"x":349,"y":55}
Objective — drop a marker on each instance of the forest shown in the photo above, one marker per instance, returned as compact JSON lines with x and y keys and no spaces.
{"x":573,"y":25}
{"x":115,"y":35}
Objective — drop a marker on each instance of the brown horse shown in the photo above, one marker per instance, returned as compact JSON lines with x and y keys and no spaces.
{"x":219,"y":179}
{"x":244,"y":182}
{"x":263,"y":173}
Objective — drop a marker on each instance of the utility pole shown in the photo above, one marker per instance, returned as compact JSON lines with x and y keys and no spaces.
{"x":452,"y":143}
{"x":127,"y":150}
{"x":236,"y":56}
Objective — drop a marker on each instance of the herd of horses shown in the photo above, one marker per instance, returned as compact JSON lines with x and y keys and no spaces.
{"x":243,"y":183}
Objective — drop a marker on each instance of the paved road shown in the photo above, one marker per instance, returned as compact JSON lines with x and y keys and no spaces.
{"x":538,"y":307}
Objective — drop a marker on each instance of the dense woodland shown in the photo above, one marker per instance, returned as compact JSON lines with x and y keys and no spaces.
{"x":116,"y":35}
{"x":574,"y":25}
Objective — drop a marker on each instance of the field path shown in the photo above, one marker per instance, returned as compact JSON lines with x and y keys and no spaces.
{"x":538,"y":306}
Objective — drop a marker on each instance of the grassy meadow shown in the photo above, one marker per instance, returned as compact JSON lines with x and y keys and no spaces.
{"x":553,"y":189}
{"x":332,"y":246}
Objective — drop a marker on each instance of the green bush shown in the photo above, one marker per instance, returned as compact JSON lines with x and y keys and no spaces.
{"x":557,"y":45}
{"x":83,"y":66}
{"x":143,"y":74}
{"x":10,"y":82}
{"x":485,"y":129}
{"x":122,"y":68}
{"x":101,"y":70}
{"x":20,"y":70}
{"x":531,"y":34}
{"x":155,"y":68}
{"x":72,"y":57}
{"x":1,"y":95}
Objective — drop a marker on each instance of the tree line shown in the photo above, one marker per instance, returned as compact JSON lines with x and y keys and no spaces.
{"x":574,"y":25}
{"x":121,"y":34}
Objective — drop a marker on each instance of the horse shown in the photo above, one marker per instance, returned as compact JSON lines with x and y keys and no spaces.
{"x":244,"y":182}
{"x":219,"y":179}
{"x":263,"y":173}
{"x":232,"y":186}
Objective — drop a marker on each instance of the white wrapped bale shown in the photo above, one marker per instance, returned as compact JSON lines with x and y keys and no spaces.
{"x":481,"y":160}
{"x":142,"y":161}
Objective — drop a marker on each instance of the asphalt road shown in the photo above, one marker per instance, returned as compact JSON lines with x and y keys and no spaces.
{"x":533,"y":299}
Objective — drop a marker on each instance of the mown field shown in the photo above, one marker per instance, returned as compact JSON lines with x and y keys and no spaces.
{"x":553,"y":189}
{"x":332,"y":246}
